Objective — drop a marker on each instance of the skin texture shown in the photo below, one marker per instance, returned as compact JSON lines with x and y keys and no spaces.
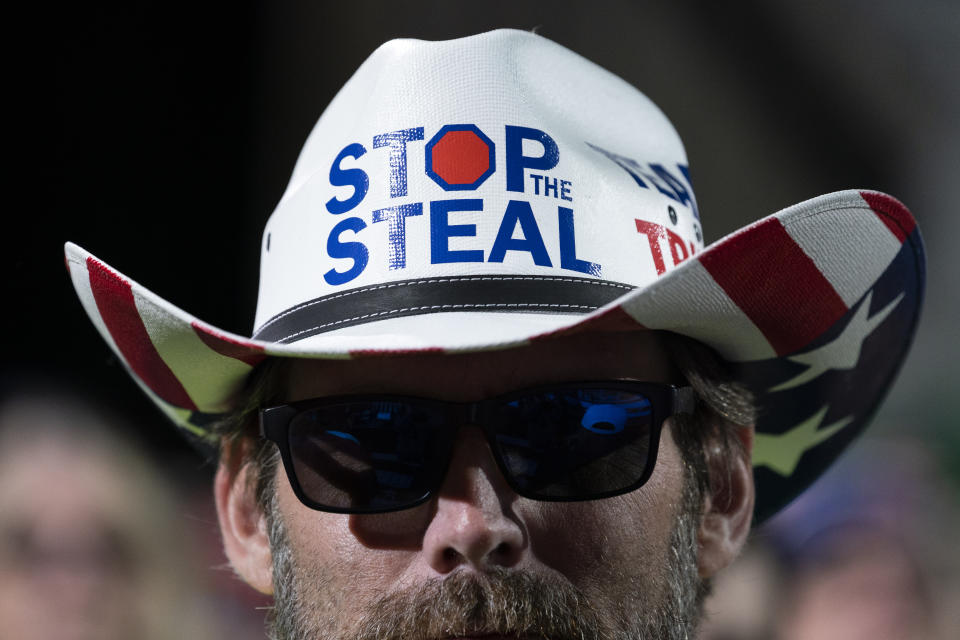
{"x":614,"y":552}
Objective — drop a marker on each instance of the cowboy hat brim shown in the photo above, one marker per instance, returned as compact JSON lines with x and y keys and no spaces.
{"x":815,"y":306}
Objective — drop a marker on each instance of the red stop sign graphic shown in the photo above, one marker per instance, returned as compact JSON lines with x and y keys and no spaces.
{"x":460,"y":157}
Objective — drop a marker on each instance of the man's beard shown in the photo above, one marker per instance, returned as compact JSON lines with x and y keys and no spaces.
{"x":496,"y":602}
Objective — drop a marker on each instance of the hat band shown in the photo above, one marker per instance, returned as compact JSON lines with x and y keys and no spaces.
{"x":499,"y":293}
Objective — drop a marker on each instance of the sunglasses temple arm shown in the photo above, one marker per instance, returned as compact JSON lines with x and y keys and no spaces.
{"x":281,"y":415}
{"x":684,"y":400}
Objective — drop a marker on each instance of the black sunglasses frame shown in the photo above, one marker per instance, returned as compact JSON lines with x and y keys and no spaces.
{"x":666,"y":400}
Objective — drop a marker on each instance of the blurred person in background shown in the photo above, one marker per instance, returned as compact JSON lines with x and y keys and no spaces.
{"x":859,"y":556}
{"x":92,"y":544}
{"x":884,"y":591}
{"x":858,"y":581}
{"x":871,"y":536}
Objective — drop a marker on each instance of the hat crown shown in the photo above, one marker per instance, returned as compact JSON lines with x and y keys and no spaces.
{"x":492,"y":155}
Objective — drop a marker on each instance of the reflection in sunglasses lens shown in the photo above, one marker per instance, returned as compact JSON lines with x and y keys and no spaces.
{"x":365,"y":455}
{"x":375,"y":455}
{"x":575,"y":443}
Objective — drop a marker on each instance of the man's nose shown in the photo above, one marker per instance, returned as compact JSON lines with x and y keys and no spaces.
{"x":474,"y":524}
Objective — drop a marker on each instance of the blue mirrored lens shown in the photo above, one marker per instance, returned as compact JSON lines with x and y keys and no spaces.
{"x":578,"y":443}
{"x":368,"y":455}
{"x":575,"y":443}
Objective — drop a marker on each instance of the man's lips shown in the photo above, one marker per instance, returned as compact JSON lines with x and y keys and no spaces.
{"x":488,"y":636}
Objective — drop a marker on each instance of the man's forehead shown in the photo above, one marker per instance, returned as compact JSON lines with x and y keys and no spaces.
{"x":639,"y":355}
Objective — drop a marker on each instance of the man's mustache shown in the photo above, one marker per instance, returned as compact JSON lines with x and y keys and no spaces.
{"x":500,"y":602}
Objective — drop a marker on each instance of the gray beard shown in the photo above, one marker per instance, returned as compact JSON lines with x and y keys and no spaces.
{"x":501,"y":601}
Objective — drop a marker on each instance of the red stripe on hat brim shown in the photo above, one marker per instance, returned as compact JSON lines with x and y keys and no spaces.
{"x":114,"y":298}
{"x":247,"y":353}
{"x":772,"y":280}
{"x":374,"y":353}
{"x":613,"y":319}
{"x":892,"y":213}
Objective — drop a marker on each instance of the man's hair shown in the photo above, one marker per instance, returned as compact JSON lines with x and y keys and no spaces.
{"x":708,"y":438}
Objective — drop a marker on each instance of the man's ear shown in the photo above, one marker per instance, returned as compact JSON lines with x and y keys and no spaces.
{"x":242,"y":523}
{"x":728,"y":505}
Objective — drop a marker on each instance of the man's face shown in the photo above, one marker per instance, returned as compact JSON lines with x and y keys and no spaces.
{"x":477,"y":556}
{"x":68,"y":564}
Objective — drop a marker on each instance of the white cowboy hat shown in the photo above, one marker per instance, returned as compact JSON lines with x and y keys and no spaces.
{"x":484,"y":192}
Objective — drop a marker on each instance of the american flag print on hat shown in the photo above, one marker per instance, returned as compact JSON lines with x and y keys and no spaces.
{"x":429,"y":216}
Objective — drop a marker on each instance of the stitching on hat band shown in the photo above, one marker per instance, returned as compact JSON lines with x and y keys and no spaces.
{"x":507,"y":293}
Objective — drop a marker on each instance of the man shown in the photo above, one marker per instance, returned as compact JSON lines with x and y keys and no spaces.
{"x":498,"y":386}
{"x":89,"y":545}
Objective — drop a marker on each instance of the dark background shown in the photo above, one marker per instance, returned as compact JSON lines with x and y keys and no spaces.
{"x":160,"y":135}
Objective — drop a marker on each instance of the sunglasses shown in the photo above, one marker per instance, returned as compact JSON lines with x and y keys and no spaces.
{"x":559,"y":442}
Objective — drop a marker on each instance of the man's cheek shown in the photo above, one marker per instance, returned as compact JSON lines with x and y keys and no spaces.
{"x":588,"y":541}
{"x":394,"y":531}
{"x":313,"y":536}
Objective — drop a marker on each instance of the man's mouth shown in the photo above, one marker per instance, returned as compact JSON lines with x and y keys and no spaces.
{"x":489,"y":636}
